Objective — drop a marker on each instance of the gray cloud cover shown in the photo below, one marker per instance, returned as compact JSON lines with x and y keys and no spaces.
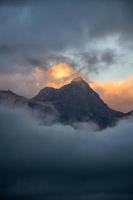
{"x":33,"y":30}
{"x":59,"y":162}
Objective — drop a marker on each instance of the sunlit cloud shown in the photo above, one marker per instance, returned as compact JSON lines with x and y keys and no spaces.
{"x":117,"y":94}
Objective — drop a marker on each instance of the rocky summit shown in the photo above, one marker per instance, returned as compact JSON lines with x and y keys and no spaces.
{"x":74,"y":102}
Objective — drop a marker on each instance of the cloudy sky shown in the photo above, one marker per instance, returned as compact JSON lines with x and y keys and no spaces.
{"x":93,"y":37}
{"x":100,"y":31}
{"x":38,"y":38}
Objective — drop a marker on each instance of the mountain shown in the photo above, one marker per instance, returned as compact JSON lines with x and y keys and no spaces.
{"x":77,"y":102}
{"x":10,"y":99}
{"x":74,"y":102}
{"x":41,"y":110}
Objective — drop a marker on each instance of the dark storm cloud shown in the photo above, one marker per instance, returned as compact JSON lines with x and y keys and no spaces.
{"x":35,"y":62}
{"x":91,"y":60}
{"x":4,"y":49}
{"x":14,"y":2}
{"x":108,"y":57}
{"x":59,"y":162}
{"x":34,"y":29}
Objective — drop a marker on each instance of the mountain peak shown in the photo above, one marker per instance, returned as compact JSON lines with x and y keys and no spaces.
{"x":79,"y":81}
{"x":74,"y":102}
{"x":77,"y":101}
{"x":78,"y":78}
{"x":9,"y":98}
{"x":81,"y":84}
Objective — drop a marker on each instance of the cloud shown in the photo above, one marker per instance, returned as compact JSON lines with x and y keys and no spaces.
{"x":117,"y":94}
{"x":30,"y":82}
{"x":32,"y":30}
{"x":108,"y":57}
{"x":90,"y":58}
{"x":14,"y":2}
{"x":63,"y":163}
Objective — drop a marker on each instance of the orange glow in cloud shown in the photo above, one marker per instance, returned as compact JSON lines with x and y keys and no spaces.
{"x":60,"y":74}
{"x":117,"y":94}
{"x":61,"y":70}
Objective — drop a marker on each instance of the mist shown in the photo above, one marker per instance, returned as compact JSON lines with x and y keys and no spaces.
{"x":61,"y":162}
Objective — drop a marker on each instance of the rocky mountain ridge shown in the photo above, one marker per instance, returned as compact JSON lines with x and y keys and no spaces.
{"x":72,"y":103}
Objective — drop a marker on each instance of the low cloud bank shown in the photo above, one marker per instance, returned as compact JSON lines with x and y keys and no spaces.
{"x":60,"y":162}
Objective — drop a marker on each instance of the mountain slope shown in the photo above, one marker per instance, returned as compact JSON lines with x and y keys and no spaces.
{"x":41,"y":110}
{"x":78,"y":102}
{"x":74,"y":102}
{"x":9,"y":98}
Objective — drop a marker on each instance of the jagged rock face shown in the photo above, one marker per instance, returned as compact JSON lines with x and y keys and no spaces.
{"x":44,"y":111}
{"x":78,"y":102}
{"x":10,"y":99}
{"x":75,"y":102}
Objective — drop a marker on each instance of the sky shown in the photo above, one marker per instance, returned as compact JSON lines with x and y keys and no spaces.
{"x":47,"y":43}
{"x":99,"y":31}
{"x":93,"y":37}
